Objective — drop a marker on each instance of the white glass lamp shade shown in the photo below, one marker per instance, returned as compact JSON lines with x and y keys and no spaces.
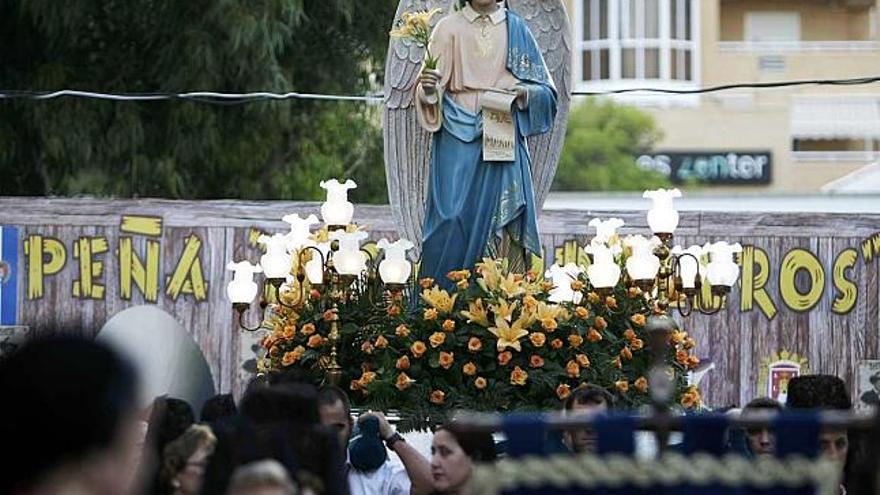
{"x":337,"y":210}
{"x":722,"y":269}
{"x":242,"y":288}
{"x":603,"y":272}
{"x":314,"y":267}
{"x":349,"y":260}
{"x":299,"y":230}
{"x":641,"y":264}
{"x":662,"y":217}
{"x":276,"y":263}
{"x":688,"y":264}
{"x":395,"y":269}
{"x":605,"y":229}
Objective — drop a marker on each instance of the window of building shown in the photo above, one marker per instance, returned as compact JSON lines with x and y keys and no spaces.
{"x":636,"y":40}
{"x":772,"y":26}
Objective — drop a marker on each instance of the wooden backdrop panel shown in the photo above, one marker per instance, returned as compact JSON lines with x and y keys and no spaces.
{"x":738,"y":340}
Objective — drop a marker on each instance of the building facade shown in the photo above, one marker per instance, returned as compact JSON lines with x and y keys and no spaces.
{"x":797,"y":139}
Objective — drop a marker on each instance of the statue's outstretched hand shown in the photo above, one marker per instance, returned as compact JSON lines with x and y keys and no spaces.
{"x":430,"y":80}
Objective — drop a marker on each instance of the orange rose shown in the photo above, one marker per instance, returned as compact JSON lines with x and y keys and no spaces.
{"x":563,"y":391}
{"x":426,"y":282}
{"x":401,"y":331}
{"x":330,"y":315}
{"x":575,"y":340}
{"x":446,"y":360}
{"x":625,"y":353}
{"x":418,"y":348}
{"x":641,"y":384}
{"x":678,"y":337}
{"x":437,"y":338}
{"x":437,"y":397}
{"x":538,"y":339}
{"x":582,"y":360}
{"x":638,"y":319}
{"x":315,"y":294}
{"x":681,"y":357}
{"x":475,"y":344}
{"x":354,"y":385}
{"x":289,"y":331}
{"x":593,"y":298}
{"x":616,"y":362}
{"x":693,"y":362}
{"x":549,"y":324}
{"x":628,"y":334}
{"x":430,"y":314}
{"x":622,"y":385}
{"x":469,"y":369}
{"x":307,"y":329}
{"x":546,"y":286}
{"x":573,"y":369}
{"x":637,"y":344}
{"x":274,"y":351}
{"x":556,"y":344}
{"x":381,"y":342}
{"x":393,"y":310}
{"x":518,"y":376}
{"x":403,"y":382}
{"x":480,"y":383}
{"x":536,"y":361}
{"x":611,"y":302}
{"x":315,"y":341}
{"x":448,"y":325}
{"x":577,"y":285}
{"x":367,"y":347}
{"x":288,"y":359}
{"x":634,"y":292}
{"x":594,"y":335}
{"x":504,"y":358}
{"x":582,"y":312}
{"x":600,"y":323}
{"x":402,"y":363}
{"x":690,"y":343}
{"x":367,"y":378}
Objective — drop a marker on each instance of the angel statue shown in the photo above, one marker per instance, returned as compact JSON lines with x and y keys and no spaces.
{"x":473,"y":133}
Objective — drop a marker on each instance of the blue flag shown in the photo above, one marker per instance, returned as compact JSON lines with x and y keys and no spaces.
{"x":8,"y":275}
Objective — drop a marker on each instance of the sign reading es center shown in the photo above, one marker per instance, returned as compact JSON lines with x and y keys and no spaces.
{"x":723,"y":167}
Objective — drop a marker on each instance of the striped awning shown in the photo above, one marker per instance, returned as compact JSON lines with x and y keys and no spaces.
{"x":822,"y":117}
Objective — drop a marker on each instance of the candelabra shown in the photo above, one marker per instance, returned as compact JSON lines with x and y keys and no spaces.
{"x":322,"y":269}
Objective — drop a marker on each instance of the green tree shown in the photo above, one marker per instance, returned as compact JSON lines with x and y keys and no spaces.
{"x":602,"y":140}
{"x":184,"y":149}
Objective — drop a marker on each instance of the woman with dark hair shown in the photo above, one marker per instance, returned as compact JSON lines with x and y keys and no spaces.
{"x":185,"y":459}
{"x":453,"y":456}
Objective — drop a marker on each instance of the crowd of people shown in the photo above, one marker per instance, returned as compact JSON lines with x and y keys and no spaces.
{"x":71,"y":424}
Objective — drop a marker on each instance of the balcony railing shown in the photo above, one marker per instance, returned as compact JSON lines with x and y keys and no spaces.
{"x":835,"y":156}
{"x":797,"y":46}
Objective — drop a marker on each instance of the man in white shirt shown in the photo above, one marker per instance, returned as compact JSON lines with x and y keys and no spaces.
{"x":335,"y":412}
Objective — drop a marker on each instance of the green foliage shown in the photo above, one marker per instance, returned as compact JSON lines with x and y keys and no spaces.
{"x":601,"y":143}
{"x":186,"y":149}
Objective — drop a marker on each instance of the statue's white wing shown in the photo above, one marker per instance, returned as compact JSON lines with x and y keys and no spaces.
{"x":408,"y":146}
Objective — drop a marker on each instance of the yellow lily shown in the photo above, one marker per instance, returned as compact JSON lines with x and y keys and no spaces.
{"x":439,"y":299}
{"x":477,"y":313}
{"x":503,"y":309}
{"x":508,"y":335}
{"x":510,"y":287}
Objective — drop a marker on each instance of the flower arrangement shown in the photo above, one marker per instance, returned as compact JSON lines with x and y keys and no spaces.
{"x":493,"y":341}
